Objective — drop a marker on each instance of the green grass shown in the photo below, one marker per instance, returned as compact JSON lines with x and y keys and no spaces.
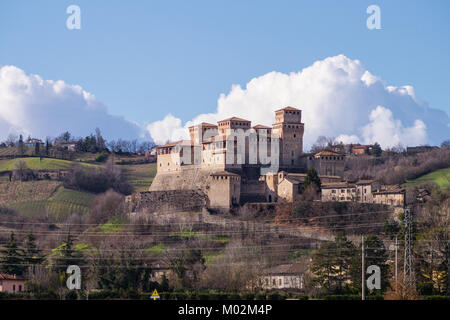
{"x":111,"y":226}
{"x":73,"y":196}
{"x":439,"y":177}
{"x":60,"y":205}
{"x":140,"y":176}
{"x":35,"y":163}
{"x":156,"y":249}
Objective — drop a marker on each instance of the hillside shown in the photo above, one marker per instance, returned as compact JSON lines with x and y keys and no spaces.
{"x":61,"y":204}
{"x":439,"y":177}
{"x":35,"y":163}
{"x":140,"y":176}
{"x":44,"y":198}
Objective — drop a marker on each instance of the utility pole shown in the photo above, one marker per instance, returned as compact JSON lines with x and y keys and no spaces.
{"x":408,"y":263}
{"x":363,"y":285}
{"x":396,"y":262}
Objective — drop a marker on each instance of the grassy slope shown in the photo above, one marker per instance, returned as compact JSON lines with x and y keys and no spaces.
{"x":140,"y":176}
{"x":60,"y":203}
{"x":38,"y":164}
{"x":13,"y":151}
{"x":439,"y":177}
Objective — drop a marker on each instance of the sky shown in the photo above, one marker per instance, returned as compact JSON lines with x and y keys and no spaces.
{"x":150,"y":68}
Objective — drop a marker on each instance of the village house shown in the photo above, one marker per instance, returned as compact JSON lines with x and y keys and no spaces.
{"x":392,"y":195}
{"x":282,"y":277}
{"x":32,"y":142}
{"x":11,"y":283}
{"x":362,"y":149}
{"x":65,"y":145}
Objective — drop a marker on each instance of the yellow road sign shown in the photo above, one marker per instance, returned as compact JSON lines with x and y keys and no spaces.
{"x":155,"y":295}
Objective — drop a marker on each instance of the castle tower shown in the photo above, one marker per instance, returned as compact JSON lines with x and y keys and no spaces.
{"x":289,"y":129}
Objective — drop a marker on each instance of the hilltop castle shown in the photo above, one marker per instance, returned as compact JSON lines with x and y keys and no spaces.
{"x":232,"y":162}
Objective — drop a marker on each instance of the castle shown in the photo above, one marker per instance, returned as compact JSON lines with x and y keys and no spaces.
{"x":232,"y":163}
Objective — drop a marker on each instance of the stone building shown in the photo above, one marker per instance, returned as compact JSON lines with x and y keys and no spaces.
{"x":338,"y":191}
{"x":392,"y":195}
{"x":234,"y":162}
{"x":327,"y":163}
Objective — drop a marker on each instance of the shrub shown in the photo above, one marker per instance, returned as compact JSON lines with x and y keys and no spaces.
{"x":248,"y":296}
{"x":273,"y":296}
{"x":101,"y":157}
{"x":260,"y":296}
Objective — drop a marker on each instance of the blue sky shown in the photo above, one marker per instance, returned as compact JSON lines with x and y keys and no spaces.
{"x":144,"y":59}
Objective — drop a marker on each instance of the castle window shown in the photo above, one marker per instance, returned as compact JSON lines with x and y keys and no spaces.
{"x":294,"y":135}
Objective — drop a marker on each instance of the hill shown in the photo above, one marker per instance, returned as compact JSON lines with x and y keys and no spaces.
{"x":140,"y":176}
{"x":60,"y":205}
{"x":36,"y":163}
{"x":44,"y":198}
{"x":440,"y":177}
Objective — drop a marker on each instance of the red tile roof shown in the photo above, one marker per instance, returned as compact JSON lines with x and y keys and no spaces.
{"x":234,"y":119}
{"x":288,"y":108}
{"x":4,"y":276}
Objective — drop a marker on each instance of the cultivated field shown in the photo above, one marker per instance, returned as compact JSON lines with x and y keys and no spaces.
{"x":44,"y":198}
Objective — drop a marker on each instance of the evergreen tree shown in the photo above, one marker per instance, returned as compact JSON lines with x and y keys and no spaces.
{"x":376,"y":150}
{"x":312,"y":178}
{"x":32,"y":254}
{"x":11,"y":260}
{"x":21,"y":146}
{"x":374,"y":254}
{"x":67,"y":255}
{"x":332,"y":262}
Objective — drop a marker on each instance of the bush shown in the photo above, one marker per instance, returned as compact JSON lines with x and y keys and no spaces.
{"x":260,"y":296}
{"x":248,"y":296}
{"x":97,"y":180}
{"x":71,"y":295}
{"x":273,"y":296}
{"x":101,"y":157}
{"x":435,"y":297}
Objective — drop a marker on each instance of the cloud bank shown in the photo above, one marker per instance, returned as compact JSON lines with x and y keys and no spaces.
{"x":339,"y":98}
{"x":31,"y":105}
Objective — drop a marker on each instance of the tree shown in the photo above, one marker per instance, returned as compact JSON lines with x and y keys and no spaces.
{"x":332,"y":262}
{"x":21,"y":146}
{"x":376,"y":149}
{"x":320,"y":144}
{"x":312,"y":178}
{"x":100,"y":140}
{"x":20,"y":169}
{"x":445,"y":144}
{"x":121,"y":266}
{"x":66,"y":255}
{"x":374,"y":254}
{"x":37,"y":149}
{"x":65,"y":136}
{"x":32,"y":254}
{"x":11,"y":140}
{"x":12,"y":258}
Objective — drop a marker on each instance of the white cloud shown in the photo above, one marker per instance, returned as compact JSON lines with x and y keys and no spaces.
{"x":31,"y":105}
{"x":337,"y":96}
{"x":387,"y":131}
{"x":168,"y":129}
